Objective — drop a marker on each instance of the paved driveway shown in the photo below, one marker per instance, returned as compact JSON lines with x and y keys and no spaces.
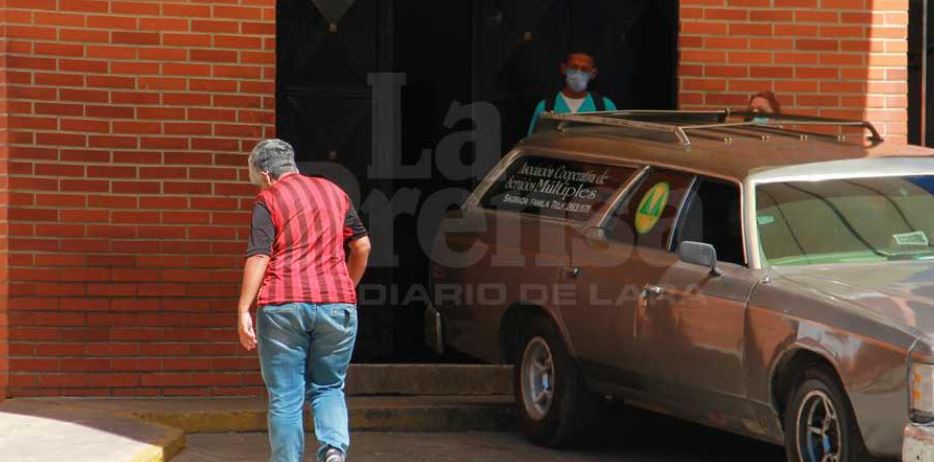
{"x":644,"y":438}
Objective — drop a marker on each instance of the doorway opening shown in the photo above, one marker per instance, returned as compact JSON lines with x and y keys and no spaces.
{"x":340,"y":63}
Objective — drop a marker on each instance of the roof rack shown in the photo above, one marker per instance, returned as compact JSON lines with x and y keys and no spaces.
{"x":679,"y":124}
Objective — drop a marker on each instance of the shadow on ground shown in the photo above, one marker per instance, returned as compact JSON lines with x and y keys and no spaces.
{"x":646,"y":436}
{"x":630,"y":436}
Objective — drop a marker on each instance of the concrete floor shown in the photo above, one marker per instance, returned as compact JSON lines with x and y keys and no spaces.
{"x":652,"y":439}
{"x":43,"y":431}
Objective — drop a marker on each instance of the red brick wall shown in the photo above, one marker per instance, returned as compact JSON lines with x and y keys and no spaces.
{"x":128,"y":127}
{"x":130,"y":124}
{"x":838,"y":58}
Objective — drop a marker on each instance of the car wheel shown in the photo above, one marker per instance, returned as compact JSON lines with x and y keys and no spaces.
{"x":819,"y":423}
{"x":554,"y":403}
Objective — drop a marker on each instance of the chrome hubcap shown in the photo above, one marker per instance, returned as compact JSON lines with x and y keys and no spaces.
{"x":537,"y":373}
{"x":819,"y":438}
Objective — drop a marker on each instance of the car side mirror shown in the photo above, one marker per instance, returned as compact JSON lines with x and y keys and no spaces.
{"x":699,"y":253}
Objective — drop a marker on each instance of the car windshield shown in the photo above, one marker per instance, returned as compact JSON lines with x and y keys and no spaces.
{"x":846,"y":220}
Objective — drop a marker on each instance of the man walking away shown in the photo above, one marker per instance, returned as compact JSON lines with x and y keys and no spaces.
{"x":305,"y":290}
{"x":578,"y":71}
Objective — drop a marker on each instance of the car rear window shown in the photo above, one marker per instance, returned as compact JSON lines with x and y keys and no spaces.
{"x":555,"y":188}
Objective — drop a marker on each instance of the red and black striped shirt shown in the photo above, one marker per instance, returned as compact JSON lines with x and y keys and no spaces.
{"x":311,"y":218}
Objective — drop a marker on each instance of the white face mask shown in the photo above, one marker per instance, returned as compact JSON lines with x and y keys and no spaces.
{"x":577,"y":80}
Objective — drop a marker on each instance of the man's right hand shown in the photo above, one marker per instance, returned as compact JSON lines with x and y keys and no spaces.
{"x":245,"y":329}
{"x":359,"y":255}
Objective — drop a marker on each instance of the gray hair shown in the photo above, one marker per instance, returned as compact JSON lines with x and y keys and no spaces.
{"x":272,"y":156}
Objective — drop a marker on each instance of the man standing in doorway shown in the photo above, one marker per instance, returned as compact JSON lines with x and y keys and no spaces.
{"x":578,"y":71}
{"x":305,"y":290}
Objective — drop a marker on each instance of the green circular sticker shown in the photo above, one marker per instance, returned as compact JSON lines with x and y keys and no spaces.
{"x":651,"y":207}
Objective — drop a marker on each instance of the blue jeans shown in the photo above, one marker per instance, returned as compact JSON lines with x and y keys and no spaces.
{"x":304,"y":352}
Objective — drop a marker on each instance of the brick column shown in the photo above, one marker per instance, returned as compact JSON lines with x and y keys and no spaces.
{"x":4,"y":200}
{"x":837,"y":58}
{"x":129,"y":207}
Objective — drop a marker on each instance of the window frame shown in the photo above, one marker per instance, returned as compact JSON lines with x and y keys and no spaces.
{"x":695,"y":174}
{"x":695,"y":183}
{"x":631,"y":189}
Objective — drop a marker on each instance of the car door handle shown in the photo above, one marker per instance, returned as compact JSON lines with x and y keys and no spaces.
{"x":651,"y":290}
{"x":572,"y":272}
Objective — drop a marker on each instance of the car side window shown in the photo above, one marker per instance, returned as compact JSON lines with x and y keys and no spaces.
{"x":712,"y":215}
{"x":646,"y":215}
{"x":555,"y":188}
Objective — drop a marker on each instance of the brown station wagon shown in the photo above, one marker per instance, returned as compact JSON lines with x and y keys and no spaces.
{"x":764,"y":276}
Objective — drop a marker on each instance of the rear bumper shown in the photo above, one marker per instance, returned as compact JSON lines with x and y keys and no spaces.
{"x":919,"y":443}
{"x":433,"y":329}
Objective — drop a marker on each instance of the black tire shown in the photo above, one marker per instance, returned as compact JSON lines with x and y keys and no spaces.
{"x":818,"y":385}
{"x":572,"y":407}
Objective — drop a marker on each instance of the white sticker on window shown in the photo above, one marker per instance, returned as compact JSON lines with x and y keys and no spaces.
{"x":913,"y":238}
{"x":765,"y":219}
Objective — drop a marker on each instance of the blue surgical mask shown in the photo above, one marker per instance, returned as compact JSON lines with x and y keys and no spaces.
{"x":760,"y":120}
{"x":577,"y":80}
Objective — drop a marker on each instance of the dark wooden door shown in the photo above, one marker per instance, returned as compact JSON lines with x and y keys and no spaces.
{"x":451,"y":52}
{"x":519,"y":45}
{"x":326,"y":49}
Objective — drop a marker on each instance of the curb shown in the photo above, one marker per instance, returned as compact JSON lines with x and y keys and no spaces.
{"x":163,"y":449}
{"x":395,"y":398}
{"x":399,"y":414}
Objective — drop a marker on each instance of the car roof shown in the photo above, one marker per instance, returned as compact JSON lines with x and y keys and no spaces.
{"x":734,"y":153}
